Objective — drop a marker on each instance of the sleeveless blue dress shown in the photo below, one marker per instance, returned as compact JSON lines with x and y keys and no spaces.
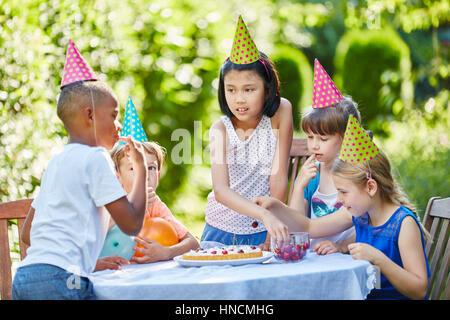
{"x":385,"y":239}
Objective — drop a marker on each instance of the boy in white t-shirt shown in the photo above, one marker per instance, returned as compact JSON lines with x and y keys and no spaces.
{"x":79,"y":190}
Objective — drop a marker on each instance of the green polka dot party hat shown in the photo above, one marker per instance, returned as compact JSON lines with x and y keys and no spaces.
{"x":244,"y":50}
{"x":132,"y":125}
{"x":357,"y":146}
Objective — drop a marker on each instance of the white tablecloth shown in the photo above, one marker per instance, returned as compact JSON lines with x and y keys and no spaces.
{"x":334,"y":276}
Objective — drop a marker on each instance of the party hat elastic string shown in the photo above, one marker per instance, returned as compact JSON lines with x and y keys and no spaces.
{"x":93,"y":115}
{"x":369,"y":174}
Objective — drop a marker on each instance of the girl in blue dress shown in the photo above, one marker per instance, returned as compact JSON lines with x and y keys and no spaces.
{"x":388,"y":232}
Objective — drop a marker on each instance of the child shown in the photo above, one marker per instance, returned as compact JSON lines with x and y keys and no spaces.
{"x":388,"y":233}
{"x":324,"y":123}
{"x":78,"y":190}
{"x":152,"y":251}
{"x":249,"y":148}
{"x":314,"y":193}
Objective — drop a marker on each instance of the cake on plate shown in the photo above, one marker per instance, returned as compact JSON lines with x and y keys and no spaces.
{"x":224,"y":253}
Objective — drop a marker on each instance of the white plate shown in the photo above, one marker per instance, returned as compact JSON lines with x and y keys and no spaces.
{"x":234,"y":262}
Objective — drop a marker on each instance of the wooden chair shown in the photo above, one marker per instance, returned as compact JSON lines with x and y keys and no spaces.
{"x":436,"y":220}
{"x":297,"y":156}
{"x":8,"y":211}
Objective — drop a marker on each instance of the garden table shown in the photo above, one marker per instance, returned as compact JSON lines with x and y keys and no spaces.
{"x":333,"y":276}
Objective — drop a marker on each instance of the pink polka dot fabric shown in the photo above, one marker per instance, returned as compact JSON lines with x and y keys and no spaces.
{"x":76,"y":67}
{"x":357,"y":146}
{"x":244,"y":50}
{"x":325,"y":92}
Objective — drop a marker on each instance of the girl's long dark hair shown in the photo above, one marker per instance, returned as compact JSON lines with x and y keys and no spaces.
{"x":266,"y":71}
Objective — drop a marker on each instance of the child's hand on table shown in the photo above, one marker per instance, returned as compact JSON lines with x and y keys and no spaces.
{"x":112,"y":262}
{"x":326,"y":247}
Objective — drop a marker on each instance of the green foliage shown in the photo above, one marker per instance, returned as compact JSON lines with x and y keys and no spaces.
{"x":373,"y":66}
{"x":405,"y":15}
{"x":295,"y":75}
{"x":419,"y":149}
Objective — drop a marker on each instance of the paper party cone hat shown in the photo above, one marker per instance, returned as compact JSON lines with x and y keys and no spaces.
{"x":132,"y":125}
{"x":244,"y":50}
{"x":76,"y":67}
{"x":325,"y":92}
{"x":357,"y":146}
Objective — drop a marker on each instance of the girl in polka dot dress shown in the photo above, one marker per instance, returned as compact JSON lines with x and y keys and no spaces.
{"x":249,"y":148}
{"x":314,"y":193}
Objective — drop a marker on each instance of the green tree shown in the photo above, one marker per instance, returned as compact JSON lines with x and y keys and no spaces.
{"x":295,"y":75}
{"x":366,"y":60}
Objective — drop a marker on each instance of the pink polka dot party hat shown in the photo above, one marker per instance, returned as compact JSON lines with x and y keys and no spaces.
{"x":76,"y":67}
{"x":325,"y":92}
{"x":132,"y":124}
{"x":357,"y":146}
{"x":244,"y":50}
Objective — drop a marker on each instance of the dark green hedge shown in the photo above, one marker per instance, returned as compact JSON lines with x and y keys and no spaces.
{"x":296,"y":79}
{"x":373,"y":66}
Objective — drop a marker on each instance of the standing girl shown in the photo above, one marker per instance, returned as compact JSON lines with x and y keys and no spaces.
{"x":314,"y":193}
{"x":388,"y":233}
{"x":249,"y":148}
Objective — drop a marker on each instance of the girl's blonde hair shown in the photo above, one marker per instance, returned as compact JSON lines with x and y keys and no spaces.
{"x":118,"y":152}
{"x":379,"y":169}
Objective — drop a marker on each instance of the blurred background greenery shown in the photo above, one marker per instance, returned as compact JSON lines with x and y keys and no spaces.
{"x":391,"y":56}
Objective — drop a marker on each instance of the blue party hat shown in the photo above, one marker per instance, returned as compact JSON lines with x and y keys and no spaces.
{"x":132,"y":125}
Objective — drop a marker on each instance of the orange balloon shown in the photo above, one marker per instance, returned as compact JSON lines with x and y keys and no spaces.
{"x":160,"y":230}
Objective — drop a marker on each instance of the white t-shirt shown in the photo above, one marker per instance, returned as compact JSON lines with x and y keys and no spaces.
{"x":70,"y":220}
{"x":324,"y":204}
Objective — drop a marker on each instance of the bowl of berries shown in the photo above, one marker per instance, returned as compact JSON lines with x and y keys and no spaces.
{"x":293,"y":250}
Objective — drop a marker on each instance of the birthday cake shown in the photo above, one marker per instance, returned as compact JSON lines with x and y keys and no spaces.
{"x":224,"y":253}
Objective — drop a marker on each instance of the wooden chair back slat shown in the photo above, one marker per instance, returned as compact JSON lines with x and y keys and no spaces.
{"x":5,"y":261}
{"x":8,"y":211}
{"x":438,"y":251}
{"x":433,"y":230}
{"x":437,"y":221}
{"x":442,"y":275}
{"x":297,"y":156}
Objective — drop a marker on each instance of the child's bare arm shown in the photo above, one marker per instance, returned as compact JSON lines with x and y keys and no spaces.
{"x":188,"y":242}
{"x":153,"y":251}
{"x":297,"y":200}
{"x":280,"y":166}
{"x":321,"y":227}
{"x":411,"y":280}
{"x":25,"y":232}
{"x":128,"y":212}
{"x":307,"y":172}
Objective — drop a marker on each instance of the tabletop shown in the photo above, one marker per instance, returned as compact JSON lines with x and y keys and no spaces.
{"x":333,"y":276}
